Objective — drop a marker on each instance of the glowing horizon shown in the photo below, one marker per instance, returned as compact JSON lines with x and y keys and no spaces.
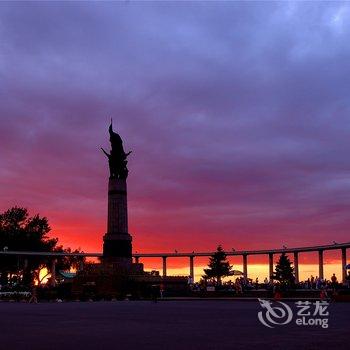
{"x":254,"y":270}
{"x":259,"y":270}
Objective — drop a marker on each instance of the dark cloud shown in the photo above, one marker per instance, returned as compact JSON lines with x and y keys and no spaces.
{"x":237,"y":114}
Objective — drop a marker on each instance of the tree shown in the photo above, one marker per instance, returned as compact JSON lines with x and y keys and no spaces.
{"x":284,"y":271}
{"x":218,"y":266}
{"x":20,"y":232}
{"x":61,"y":263}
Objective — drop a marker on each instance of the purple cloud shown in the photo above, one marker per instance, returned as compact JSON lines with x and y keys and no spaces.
{"x":237,"y":115}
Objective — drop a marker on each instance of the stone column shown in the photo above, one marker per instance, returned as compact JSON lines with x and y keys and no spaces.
{"x":343,"y":263}
{"x":81,"y":265}
{"x":270,"y":266}
{"x":245,"y":265}
{"x":192,"y":267}
{"x":320,"y":264}
{"x":117,"y":247}
{"x":137,"y":259}
{"x":296,"y":267}
{"x":164,"y":265}
{"x":117,"y":206}
{"x":53,"y":273}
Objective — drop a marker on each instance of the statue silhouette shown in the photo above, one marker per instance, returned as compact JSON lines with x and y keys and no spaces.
{"x":117,"y":158}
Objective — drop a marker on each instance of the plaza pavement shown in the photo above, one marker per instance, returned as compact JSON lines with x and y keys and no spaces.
{"x":166,"y":325}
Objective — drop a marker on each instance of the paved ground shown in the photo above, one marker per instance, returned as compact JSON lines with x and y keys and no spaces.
{"x":163,"y":325}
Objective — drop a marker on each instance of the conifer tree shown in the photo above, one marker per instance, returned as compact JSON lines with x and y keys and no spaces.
{"x":218,"y":266}
{"x":284,"y":271}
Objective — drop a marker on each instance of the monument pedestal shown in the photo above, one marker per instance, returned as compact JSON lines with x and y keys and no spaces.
{"x":117,"y":247}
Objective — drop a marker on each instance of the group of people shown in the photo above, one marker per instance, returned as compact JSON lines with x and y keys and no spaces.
{"x":320,"y":283}
{"x":240,"y":284}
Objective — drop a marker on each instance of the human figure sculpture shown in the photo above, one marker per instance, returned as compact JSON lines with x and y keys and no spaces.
{"x":117,"y":158}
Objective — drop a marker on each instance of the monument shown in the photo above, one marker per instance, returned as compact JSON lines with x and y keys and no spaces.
{"x":117,"y":248}
{"x":117,"y":275}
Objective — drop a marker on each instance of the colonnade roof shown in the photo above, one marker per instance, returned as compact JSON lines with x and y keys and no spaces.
{"x":193,"y":253}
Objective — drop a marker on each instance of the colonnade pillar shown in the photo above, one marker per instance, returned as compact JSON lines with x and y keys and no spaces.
{"x":343,"y":263}
{"x":245,"y":265}
{"x":53,"y":272}
{"x":320,"y":264}
{"x":164,"y":265}
{"x":192,"y":267}
{"x":296,"y":267}
{"x":270,"y":266}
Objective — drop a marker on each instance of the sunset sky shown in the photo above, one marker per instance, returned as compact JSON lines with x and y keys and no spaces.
{"x":238,"y":116}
